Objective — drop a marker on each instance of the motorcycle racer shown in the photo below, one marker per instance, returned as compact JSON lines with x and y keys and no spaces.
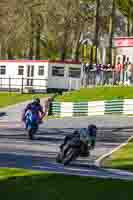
{"x":86,"y":137}
{"x":36,"y":109}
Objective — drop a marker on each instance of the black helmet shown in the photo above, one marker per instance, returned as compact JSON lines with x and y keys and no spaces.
{"x":92,"y":127}
{"x":36,"y":100}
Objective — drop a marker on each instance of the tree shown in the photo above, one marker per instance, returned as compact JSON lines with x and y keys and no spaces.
{"x":112,"y":29}
{"x":126,"y":8}
{"x":35,"y":28}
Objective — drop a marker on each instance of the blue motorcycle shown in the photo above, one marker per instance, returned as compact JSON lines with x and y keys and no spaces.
{"x":32,"y":123}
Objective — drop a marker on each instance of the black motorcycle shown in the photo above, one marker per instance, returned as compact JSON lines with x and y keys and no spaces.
{"x":71,"y":151}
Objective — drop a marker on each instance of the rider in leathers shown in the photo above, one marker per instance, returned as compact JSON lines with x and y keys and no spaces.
{"x":86,"y":134}
{"x":36,"y":108}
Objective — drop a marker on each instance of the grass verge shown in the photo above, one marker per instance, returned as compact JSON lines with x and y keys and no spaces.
{"x":121,"y":159}
{"x":99,"y":93}
{"x":25,"y":185}
{"x":13,"y":98}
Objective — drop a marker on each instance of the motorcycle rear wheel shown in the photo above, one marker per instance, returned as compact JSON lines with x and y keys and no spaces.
{"x":31,"y":133}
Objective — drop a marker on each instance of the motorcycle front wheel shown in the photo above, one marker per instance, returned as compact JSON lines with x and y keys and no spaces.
{"x":71,"y":155}
{"x":59,"y":157}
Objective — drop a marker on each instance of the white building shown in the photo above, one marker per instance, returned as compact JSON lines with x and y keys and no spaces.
{"x":39,"y":75}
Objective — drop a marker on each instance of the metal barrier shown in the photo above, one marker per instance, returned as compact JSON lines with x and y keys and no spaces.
{"x":69,"y":109}
{"x":92,"y":78}
{"x":105,"y":77}
{"x":23,"y":85}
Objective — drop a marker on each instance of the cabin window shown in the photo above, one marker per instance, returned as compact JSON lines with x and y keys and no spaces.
{"x":40,"y":70}
{"x":30,"y":70}
{"x":2,"y":70}
{"x":57,"y":71}
{"x":21,"y":70}
{"x":74,"y":72}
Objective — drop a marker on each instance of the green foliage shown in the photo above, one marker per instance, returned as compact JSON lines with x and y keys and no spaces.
{"x":125,"y":6}
{"x":59,"y":25}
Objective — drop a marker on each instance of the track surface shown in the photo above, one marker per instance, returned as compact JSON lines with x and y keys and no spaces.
{"x":17,"y":151}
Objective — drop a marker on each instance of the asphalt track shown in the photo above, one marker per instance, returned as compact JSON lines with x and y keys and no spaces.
{"x":17,"y":151}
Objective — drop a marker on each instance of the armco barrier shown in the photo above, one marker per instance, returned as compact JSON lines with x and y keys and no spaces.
{"x":69,"y":109}
{"x":128,"y":106}
{"x":114,"y":106}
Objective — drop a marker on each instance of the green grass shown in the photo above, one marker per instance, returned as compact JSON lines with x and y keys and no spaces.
{"x":6,"y":173}
{"x":28,"y":185}
{"x":121,"y":159}
{"x":100,"y":93}
{"x":13,"y":98}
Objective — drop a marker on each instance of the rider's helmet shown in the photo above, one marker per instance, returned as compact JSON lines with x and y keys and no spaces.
{"x":92,"y":129}
{"x":36,"y":101}
{"x":76,"y":132}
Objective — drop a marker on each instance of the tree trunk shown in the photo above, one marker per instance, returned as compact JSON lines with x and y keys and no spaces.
{"x":31,"y":50}
{"x":3,"y":51}
{"x":96,"y":40}
{"x":128,"y":24}
{"x":63,"y":54}
{"x":38,"y":37}
{"x":112,"y":30}
{"x":10,"y":54}
{"x":91,"y":56}
{"x":64,"y":46}
{"x":76,"y":45}
{"x":77,"y":53}
{"x":132,"y":28}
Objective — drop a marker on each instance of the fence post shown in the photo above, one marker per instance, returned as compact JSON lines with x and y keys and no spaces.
{"x":9,"y":87}
{"x":22,"y":85}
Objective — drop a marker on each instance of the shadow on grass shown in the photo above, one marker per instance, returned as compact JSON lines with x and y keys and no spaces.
{"x":61,"y":187}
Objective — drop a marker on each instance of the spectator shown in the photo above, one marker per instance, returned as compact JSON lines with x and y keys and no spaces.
{"x":118,"y":71}
{"x":130,"y":73}
{"x":107,"y":73}
{"x":98,"y":74}
{"x":92,"y":74}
